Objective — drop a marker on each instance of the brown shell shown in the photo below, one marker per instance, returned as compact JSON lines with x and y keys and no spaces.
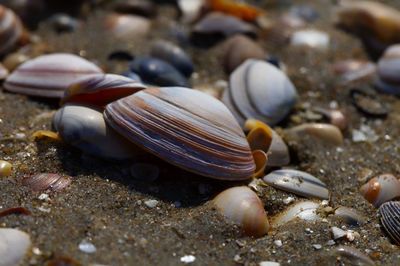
{"x":187,"y":128}
{"x":11,"y":30}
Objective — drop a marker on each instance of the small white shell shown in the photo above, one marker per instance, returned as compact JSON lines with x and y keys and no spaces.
{"x":86,"y":129}
{"x":380,"y":189}
{"x":310,"y":38}
{"x":14,"y":245}
{"x":243,"y":207}
{"x":324,"y":132}
{"x":297,"y":182}
{"x":49,"y":75}
{"x":305,"y":210}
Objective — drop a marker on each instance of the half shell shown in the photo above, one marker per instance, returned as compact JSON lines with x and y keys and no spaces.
{"x":187,"y":128}
{"x":49,"y":75}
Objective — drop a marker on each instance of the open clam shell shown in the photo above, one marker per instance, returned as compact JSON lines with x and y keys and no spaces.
{"x":187,"y":128}
{"x":259,"y":90}
{"x":101,"y":89}
{"x":49,"y":75}
{"x":297,"y":182}
{"x":11,"y":30}
{"x":390,"y":219}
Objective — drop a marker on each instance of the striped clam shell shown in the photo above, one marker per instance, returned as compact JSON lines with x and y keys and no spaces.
{"x":261,"y":91}
{"x":101,"y":89}
{"x":390,"y":219}
{"x":49,"y":75}
{"x":297,"y":182}
{"x":187,"y":128}
{"x":11,"y":30}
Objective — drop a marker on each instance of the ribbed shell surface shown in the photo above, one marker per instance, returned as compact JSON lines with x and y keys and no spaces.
{"x":187,"y":128}
{"x":10,"y":29}
{"x":49,"y":75}
{"x":390,"y":218}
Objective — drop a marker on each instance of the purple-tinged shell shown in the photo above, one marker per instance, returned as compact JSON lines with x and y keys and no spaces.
{"x":186,"y":128}
{"x":45,"y":181}
{"x":11,"y":30}
{"x":101,"y":89}
{"x":49,"y":75}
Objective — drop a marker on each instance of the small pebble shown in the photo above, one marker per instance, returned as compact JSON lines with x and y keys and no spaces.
{"x":188,"y":259}
{"x":278,"y":243}
{"x":151,"y":203}
{"x":87,"y":247}
{"x":317,"y":246}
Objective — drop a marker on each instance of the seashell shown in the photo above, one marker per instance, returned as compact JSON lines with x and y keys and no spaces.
{"x":49,"y":75}
{"x":278,"y":153}
{"x":11,"y":30}
{"x":63,"y":23}
{"x":127,"y":27}
{"x":260,"y":135}
{"x":216,"y":26}
{"x":5,"y":168}
{"x":186,"y":128}
{"x":29,"y":11}
{"x":260,"y":91}
{"x":390,"y":219}
{"x":3,"y":72}
{"x":239,"y":48}
{"x":132,"y":76}
{"x":324,"y":132}
{"x":243,"y":207}
{"x":351,"y":256}
{"x":190,"y":9}
{"x":260,"y":160}
{"x":173,"y":55}
{"x":377,"y":24}
{"x":297,"y":182}
{"x":352,"y":70}
{"x":240,"y":10}
{"x":368,"y":103}
{"x":14,"y":245}
{"x":157,"y":72}
{"x":304,"y":210}
{"x":310,"y":38}
{"x":350,"y":216}
{"x":101,"y":89}
{"x":85,"y":129}
{"x":145,"y":171}
{"x":46,"y":181}
{"x":336,"y":117}
{"x":381,"y":189}
{"x":136,"y":7}
{"x":388,"y":68}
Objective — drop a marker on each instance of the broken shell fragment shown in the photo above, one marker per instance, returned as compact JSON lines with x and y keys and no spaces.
{"x":261,"y":91}
{"x":278,"y":153}
{"x":388,"y":68}
{"x":5,"y":168}
{"x":336,"y":117}
{"x":381,"y":189}
{"x":390,"y":219}
{"x":350,"y":216}
{"x":85,"y":129}
{"x":11,"y":30}
{"x":243,"y":207}
{"x":49,"y":75}
{"x":186,"y":128}
{"x":14,"y":245}
{"x":46,"y":181}
{"x":325,"y":132}
{"x":101,"y":89}
{"x":305,"y":210}
{"x":297,"y":182}
{"x":368,"y":103}
{"x":241,"y":10}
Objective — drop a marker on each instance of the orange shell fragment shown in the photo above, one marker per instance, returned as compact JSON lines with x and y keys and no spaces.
{"x":240,"y":10}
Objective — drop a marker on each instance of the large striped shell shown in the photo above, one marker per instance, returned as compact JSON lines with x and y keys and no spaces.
{"x":49,"y":75}
{"x":11,"y":30}
{"x":390,"y":219}
{"x":187,"y":128}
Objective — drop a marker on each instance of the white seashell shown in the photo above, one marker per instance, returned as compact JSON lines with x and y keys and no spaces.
{"x":126,"y":27}
{"x":14,"y":245}
{"x":310,"y":38}
{"x":297,"y":182}
{"x":325,"y":132}
{"x":380,"y":189}
{"x":260,"y":91}
{"x":305,"y":210}
{"x":86,"y":129}
{"x":49,"y":75}
{"x":243,"y":207}
{"x":190,"y":9}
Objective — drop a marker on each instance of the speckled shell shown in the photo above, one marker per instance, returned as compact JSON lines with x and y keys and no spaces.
{"x":187,"y":128}
{"x":261,"y":91}
{"x":101,"y":89}
{"x":11,"y":30}
{"x":49,"y":75}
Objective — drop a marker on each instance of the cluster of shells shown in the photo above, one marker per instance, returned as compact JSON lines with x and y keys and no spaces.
{"x":152,"y":110}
